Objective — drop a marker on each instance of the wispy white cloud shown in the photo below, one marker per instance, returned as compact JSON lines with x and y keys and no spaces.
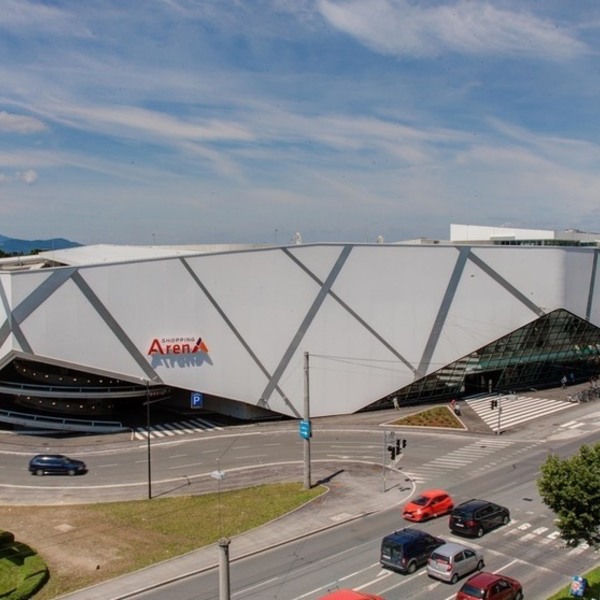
{"x":28,"y":177}
{"x":120,"y":119}
{"x":29,"y":15}
{"x":402,"y":28}
{"x":11,"y":123}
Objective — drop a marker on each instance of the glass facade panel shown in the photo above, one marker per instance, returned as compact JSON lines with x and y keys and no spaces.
{"x":536,"y":356}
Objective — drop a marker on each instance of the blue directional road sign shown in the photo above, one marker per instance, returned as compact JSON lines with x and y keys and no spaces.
{"x":305,"y":431}
{"x":196,"y":400}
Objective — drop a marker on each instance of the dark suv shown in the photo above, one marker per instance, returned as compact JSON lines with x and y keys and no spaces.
{"x":43,"y":464}
{"x":475,"y":517}
{"x":407,"y":549}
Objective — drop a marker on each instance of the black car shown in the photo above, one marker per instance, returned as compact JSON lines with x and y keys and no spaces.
{"x":475,"y":517}
{"x":407,"y":549}
{"x":56,"y":464}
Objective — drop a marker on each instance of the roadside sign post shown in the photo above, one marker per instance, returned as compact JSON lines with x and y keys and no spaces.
{"x":305,"y":426}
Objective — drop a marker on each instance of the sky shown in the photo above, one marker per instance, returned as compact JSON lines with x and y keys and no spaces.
{"x":230,"y":121}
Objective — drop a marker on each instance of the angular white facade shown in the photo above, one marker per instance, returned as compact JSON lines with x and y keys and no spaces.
{"x":372,"y":318}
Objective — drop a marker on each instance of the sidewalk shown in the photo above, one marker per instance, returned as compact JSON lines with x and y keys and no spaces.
{"x":345,"y":500}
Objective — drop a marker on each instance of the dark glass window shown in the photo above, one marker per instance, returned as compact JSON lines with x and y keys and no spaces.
{"x":537,"y":355}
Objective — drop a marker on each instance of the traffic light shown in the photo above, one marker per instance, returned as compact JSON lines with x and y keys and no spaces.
{"x":399,"y":445}
{"x":392,"y":451}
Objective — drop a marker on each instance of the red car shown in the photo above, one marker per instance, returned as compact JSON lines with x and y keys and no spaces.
{"x":431,"y":503}
{"x":350,"y":595}
{"x":491,"y":587}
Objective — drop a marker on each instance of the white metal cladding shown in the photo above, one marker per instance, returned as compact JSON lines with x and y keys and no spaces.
{"x":373,"y":318}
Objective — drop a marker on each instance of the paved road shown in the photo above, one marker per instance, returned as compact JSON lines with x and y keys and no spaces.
{"x":346,"y":499}
{"x":528,"y":546}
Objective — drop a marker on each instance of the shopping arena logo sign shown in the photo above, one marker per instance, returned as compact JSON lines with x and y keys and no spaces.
{"x":177,"y":345}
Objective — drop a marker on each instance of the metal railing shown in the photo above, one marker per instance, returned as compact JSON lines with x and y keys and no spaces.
{"x":61,"y":424}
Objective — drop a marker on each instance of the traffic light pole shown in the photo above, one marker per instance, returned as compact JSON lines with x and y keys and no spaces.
{"x":394,"y":446}
{"x":389,"y":438}
{"x":499,"y":414}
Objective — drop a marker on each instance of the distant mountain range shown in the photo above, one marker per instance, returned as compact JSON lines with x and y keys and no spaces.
{"x":15,"y":246}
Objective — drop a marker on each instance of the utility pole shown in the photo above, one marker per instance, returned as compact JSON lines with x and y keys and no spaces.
{"x":307,"y":478}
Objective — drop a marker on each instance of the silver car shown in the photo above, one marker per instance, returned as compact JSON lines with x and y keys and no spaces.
{"x":451,"y":561}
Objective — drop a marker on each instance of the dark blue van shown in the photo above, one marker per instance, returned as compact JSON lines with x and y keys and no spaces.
{"x":407,"y":549}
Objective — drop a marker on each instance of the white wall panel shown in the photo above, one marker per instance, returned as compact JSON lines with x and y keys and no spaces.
{"x":6,"y":344}
{"x":578,"y":278}
{"x":67,"y":328}
{"x":349,"y":367}
{"x":319,"y":259}
{"x":397,"y":290}
{"x":260,"y":320}
{"x":5,"y":285}
{"x":481,"y":310}
{"x":265,"y":295}
{"x":537,"y":272}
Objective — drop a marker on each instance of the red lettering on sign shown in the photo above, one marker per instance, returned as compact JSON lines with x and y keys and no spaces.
{"x":157,"y":348}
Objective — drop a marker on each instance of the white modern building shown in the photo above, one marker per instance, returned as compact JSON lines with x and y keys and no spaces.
{"x":231,"y":329}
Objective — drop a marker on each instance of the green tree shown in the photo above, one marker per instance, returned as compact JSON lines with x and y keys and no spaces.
{"x":570,"y":487}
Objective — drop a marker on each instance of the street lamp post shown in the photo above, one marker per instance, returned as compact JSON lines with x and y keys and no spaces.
{"x":148,"y":436}
{"x":223,"y":544}
{"x":148,"y":441}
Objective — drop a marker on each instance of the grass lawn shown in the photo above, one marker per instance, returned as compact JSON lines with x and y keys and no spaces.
{"x":22,"y":571}
{"x":86,"y":544}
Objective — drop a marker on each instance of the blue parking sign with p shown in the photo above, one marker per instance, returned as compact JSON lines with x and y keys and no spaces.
{"x":196,"y":400}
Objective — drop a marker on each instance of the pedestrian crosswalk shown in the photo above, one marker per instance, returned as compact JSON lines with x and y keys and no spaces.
{"x":538,"y":531}
{"x":541,"y":533}
{"x":514,"y":409}
{"x":178,"y":428}
{"x":464,"y":456}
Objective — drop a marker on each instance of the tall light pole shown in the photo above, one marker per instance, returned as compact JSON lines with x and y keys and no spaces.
{"x":148,"y":436}
{"x":223,"y":544}
{"x":224,"y":580}
{"x":148,"y":440}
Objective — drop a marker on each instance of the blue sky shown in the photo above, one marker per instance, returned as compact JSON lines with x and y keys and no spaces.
{"x":201,"y":121}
